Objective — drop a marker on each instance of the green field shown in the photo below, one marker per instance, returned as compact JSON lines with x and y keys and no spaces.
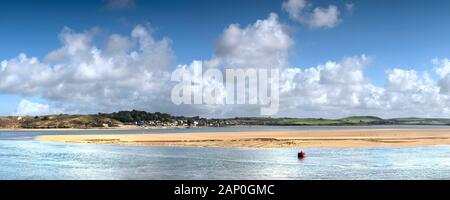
{"x":362,"y":120}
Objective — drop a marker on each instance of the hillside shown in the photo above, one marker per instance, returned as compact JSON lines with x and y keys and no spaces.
{"x":146,"y":119}
{"x":58,"y":121}
{"x":367,"y":120}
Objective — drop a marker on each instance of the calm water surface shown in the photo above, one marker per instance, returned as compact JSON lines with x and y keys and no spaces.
{"x":21,"y":157}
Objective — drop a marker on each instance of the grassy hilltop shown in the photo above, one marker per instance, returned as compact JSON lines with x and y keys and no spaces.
{"x":58,"y":121}
{"x":320,"y":121}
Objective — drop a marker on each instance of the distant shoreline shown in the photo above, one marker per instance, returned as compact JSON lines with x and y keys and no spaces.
{"x":134,"y":127}
{"x":271,"y":139}
{"x":124,"y":128}
{"x":157,"y":120}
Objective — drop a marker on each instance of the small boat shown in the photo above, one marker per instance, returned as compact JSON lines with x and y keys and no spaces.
{"x":301,"y":154}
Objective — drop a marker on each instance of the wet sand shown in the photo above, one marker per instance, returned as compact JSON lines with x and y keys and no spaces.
{"x":271,"y":139}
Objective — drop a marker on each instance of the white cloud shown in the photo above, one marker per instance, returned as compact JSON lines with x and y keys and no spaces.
{"x":133,"y":72}
{"x":84,"y":78}
{"x":410,"y":94}
{"x":294,"y":8}
{"x":264,"y":44}
{"x":28,"y":108}
{"x":443,"y":68}
{"x":119,"y":78}
{"x":402,"y":80}
{"x":443,"y":71}
{"x":337,"y":89}
{"x":318,"y":17}
{"x":23,"y":75}
{"x":324,"y":17}
{"x":77,"y":45}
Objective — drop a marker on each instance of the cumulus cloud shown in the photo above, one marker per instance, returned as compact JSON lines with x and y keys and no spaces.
{"x":133,"y":72}
{"x":119,"y":4}
{"x":318,"y":17}
{"x":28,"y":108}
{"x":410,"y":94}
{"x":402,"y":80}
{"x":337,"y":89}
{"x":87,"y":78}
{"x":443,"y":71}
{"x":24,"y":76}
{"x":294,"y":8}
{"x":324,"y":17}
{"x":264,"y":44}
{"x":119,"y":77}
{"x":330,"y":86}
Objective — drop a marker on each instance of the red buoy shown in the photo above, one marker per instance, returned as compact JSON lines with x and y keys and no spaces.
{"x":301,"y":154}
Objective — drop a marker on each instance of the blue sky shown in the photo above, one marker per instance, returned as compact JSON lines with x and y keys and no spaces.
{"x":404,"y":34}
{"x":401,"y":33}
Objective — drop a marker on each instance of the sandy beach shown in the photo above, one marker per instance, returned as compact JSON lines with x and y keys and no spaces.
{"x":271,"y":139}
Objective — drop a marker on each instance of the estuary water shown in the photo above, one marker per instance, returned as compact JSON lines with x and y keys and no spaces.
{"x":22,"y":157}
